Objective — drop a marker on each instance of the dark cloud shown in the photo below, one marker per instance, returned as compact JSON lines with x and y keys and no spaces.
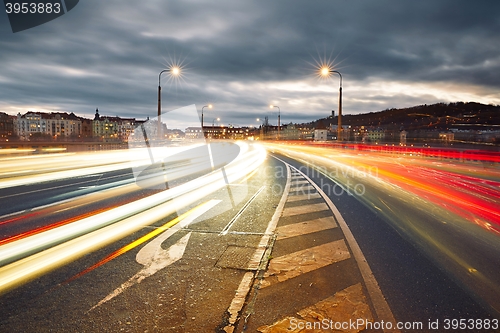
{"x":245,"y":55}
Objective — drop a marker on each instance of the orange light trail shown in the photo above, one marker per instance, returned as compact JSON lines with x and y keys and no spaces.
{"x":447,"y":207}
{"x":136,"y":243}
{"x":51,"y":226}
{"x":76,"y":202}
{"x":18,"y":218}
{"x":473,"y":198}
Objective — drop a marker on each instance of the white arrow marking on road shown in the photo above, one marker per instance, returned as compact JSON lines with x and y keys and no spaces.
{"x":161,"y":259}
{"x":154,"y":258}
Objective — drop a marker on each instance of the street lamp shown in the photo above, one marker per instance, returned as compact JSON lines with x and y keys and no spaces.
{"x":175,"y":71}
{"x":261,"y":137}
{"x":213,"y":121}
{"x":205,"y":106}
{"x":279,"y":116}
{"x":325,"y":71}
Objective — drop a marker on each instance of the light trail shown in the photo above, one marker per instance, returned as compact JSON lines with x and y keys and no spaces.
{"x":30,"y":257}
{"x":441,"y":153}
{"x":189,"y":166}
{"x":22,"y":218}
{"x":27,"y":170}
{"x":450,"y":212}
{"x":200,"y":208}
{"x":479,"y":196}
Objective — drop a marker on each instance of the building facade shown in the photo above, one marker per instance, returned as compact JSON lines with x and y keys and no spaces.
{"x":6,"y":127}
{"x":47,"y":126}
{"x":105,"y":128}
{"x":320,"y":134}
{"x":63,"y":125}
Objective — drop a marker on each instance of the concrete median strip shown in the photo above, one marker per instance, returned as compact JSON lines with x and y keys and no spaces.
{"x":307,"y":227}
{"x":340,"y":310}
{"x":290,"y":211}
{"x":299,"y":197}
{"x":297,"y":263}
{"x":302,"y":188}
{"x":300,"y":181}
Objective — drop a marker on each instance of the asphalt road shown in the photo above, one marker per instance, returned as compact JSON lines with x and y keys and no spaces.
{"x":30,"y":196}
{"x":182,"y":274}
{"x":192,"y":294}
{"x":415,"y":287}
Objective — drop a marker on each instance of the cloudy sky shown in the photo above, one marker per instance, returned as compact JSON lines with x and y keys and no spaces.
{"x":242,"y":56}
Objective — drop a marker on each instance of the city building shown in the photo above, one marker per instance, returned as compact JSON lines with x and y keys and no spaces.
{"x":193,"y":133}
{"x":289,"y":132}
{"x":126,"y":127}
{"x":40,"y":126}
{"x":446,"y":136}
{"x":375,"y":134}
{"x":218,"y":132}
{"x":6,"y":127}
{"x":236,"y":133}
{"x":306,"y":133}
{"x":47,"y":126}
{"x":214,"y":132}
{"x":320,"y":134}
{"x":105,"y":128}
{"x":28,"y":124}
{"x":86,"y":128}
{"x":402,"y":137}
{"x":61,"y":124}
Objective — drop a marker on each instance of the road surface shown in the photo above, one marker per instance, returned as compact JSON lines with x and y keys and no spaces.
{"x":272,"y":243}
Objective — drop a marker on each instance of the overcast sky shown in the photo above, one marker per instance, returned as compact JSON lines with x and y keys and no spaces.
{"x":242,"y":56}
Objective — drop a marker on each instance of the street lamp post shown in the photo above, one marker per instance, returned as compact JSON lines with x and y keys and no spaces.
{"x":279,"y":116}
{"x":173,"y":71}
{"x":205,"y":106}
{"x":213,"y":121}
{"x":325,"y":71}
{"x":213,"y":126}
{"x":261,"y":130}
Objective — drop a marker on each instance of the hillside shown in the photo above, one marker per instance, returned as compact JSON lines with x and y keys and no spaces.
{"x":436,"y":116}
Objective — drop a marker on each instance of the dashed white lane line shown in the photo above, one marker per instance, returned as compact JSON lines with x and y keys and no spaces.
{"x":307,"y":227}
{"x":297,"y":263}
